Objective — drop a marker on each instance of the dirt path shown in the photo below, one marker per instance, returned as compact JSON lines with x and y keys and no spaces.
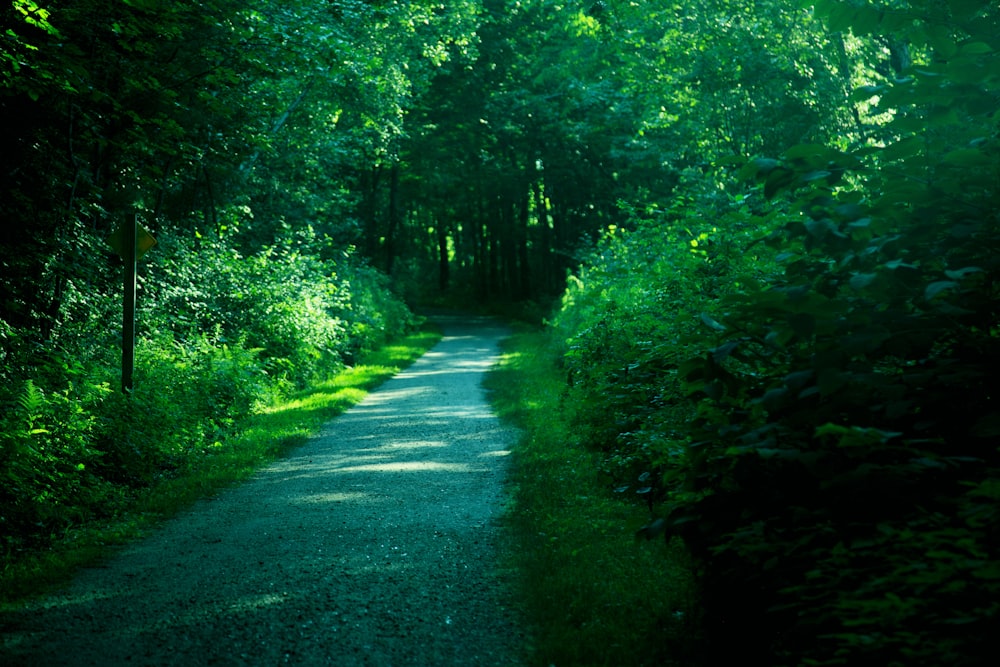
{"x":373,"y":544}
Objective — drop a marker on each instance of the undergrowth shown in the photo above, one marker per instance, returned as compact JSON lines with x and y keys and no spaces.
{"x":591,"y":594}
{"x":250,"y":443}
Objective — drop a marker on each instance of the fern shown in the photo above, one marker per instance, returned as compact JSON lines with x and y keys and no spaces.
{"x":32,"y":401}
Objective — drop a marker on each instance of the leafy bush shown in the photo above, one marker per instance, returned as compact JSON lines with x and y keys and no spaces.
{"x":374,"y":313}
{"x":835,"y":470}
{"x":843,"y":467}
{"x":846,"y":456}
{"x":633,"y":316}
{"x":220,"y":335}
{"x":283,"y":300}
{"x":187,"y":398}
{"x":49,"y":473}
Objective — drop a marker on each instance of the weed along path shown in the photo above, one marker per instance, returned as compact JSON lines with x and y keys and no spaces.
{"x":376,"y":543}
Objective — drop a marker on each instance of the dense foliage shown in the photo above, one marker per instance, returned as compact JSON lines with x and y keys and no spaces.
{"x":778,"y":219}
{"x":231,"y":130}
{"x":808,"y":402}
{"x":220,"y":337}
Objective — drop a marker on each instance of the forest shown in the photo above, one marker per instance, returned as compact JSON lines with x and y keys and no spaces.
{"x":761,"y":235}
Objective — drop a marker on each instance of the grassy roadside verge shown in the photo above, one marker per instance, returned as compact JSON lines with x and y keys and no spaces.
{"x":592,"y":595}
{"x":263,"y":438}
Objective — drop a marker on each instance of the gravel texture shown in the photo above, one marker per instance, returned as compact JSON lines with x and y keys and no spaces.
{"x":376,"y":543}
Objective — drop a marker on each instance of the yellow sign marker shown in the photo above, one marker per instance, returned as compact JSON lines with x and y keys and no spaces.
{"x":143,"y":241}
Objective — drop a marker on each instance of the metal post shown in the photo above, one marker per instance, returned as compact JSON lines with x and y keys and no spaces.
{"x":128,"y":311}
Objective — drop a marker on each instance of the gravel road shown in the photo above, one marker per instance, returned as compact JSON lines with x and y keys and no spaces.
{"x":376,"y":543}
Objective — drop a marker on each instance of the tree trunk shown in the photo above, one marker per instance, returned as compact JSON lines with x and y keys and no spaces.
{"x":546,"y":277}
{"x":524,"y":287}
{"x":508,"y":270}
{"x":211,"y":216}
{"x":369,"y":183}
{"x":393,"y":223}
{"x":443,"y":269}
{"x":493,"y":254}
{"x":481,"y":257}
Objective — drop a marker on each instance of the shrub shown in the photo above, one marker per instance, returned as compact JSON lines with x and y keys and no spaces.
{"x":374,"y":312}
{"x":220,"y":335}
{"x":283,"y":300}
{"x":842,"y":478}
{"x":630,"y":319}
{"x":48,"y":471}
{"x":834,"y":473}
{"x":845,"y":451}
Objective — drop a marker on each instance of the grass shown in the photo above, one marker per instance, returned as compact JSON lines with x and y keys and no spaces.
{"x":265,"y":437}
{"x":592,"y":594}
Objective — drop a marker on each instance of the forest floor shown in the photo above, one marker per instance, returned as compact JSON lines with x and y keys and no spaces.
{"x":377,"y":543}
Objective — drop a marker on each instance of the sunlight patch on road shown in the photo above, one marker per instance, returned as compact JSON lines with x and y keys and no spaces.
{"x":462,"y":367}
{"x":325,"y":498}
{"x":259,"y":601}
{"x":495,"y":453}
{"x":387,"y":395}
{"x":409,"y":466}
{"x":405,"y":445}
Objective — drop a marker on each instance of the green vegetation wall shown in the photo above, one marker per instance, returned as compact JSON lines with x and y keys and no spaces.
{"x":789,"y":360}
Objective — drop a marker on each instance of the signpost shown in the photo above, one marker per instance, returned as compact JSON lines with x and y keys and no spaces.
{"x":131,"y":242}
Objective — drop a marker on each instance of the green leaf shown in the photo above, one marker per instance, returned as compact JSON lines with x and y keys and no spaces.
{"x":936,"y":288}
{"x":903,"y":148}
{"x":820,"y":229}
{"x":652,"y":530}
{"x":711,"y":322}
{"x":36,"y":15}
{"x":729,"y":161}
{"x":759,"y":167}
{"x":865,"y":93}
{"x":959,"y":274}
{"x":813,"y":153}
{"x":778,"y":179}
{"x":963,"y":8}
{"x":975,"y":48}
{"x":899,"y":264}
{"x":940,"y":39}
{"x":968,"y":157}
{"x":866,"y":20}
{"x":855,"y":436}
{"x":818,"y":175}
{"x":722,"y":352}
{"x":862,"y":280}
{"x":841,"y":17}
